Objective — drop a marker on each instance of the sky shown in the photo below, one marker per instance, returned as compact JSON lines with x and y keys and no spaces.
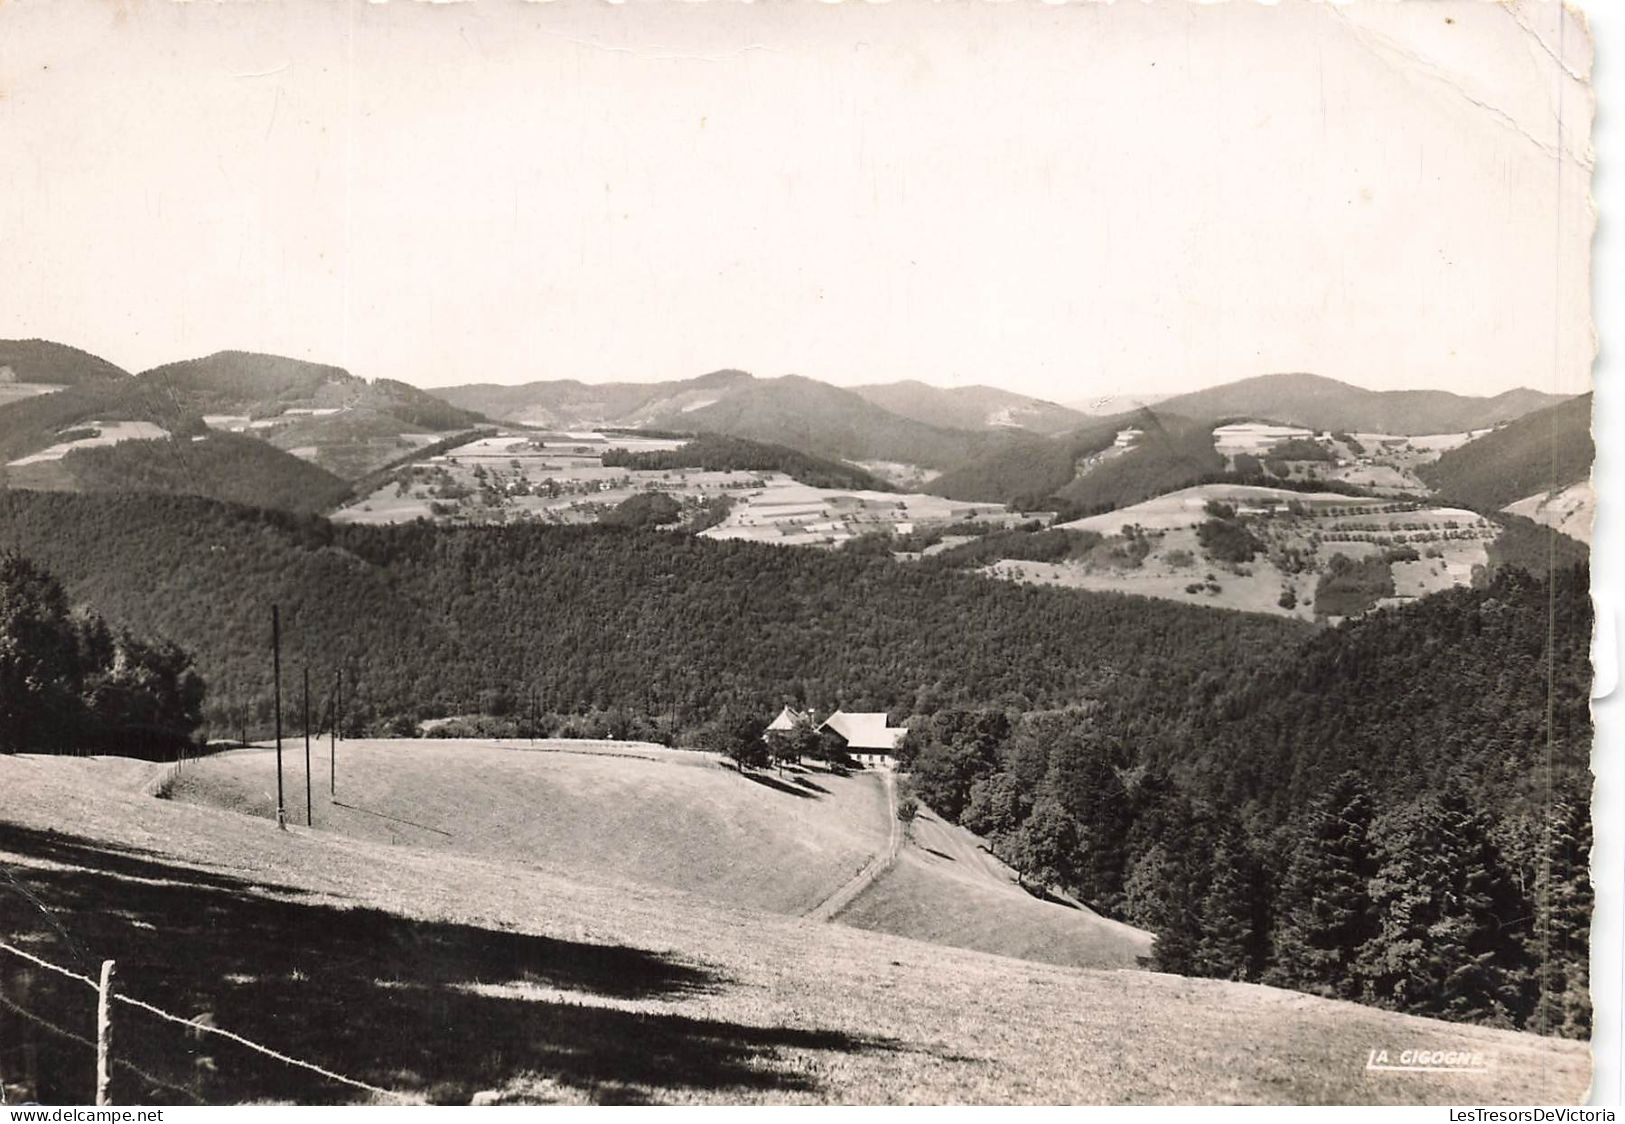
{"x":1070,"y":201}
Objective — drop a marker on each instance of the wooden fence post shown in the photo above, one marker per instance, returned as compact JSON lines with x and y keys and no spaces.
{"x":104,"y":1035}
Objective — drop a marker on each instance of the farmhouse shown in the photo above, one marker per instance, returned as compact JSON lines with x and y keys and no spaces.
{"x":868,"y":738}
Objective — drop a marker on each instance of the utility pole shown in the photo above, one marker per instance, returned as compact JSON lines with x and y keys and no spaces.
{"x":276,"y":681}
{"x":338,"y":697}
{"x":307,"y":745}
{"x":333,"y":737}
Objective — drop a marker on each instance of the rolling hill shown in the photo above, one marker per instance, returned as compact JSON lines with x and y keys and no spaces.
{"x":797,"y":412}
{"x":450,"y":978}
{"x":53,"y":364}
{"x":1327,"y":404}
{"x":570,"y":404}
{"x":971,"y":407}
{"x":1541,"y":452}
{"x":219,"y":466}
{"x":681,"y":820}
{"x":1084,"y":472}
{"x":330,"y":417}
{"x":1028,"y":474}
{"x":264,"y":385}
{"x":1170,"y":453}
{"x":818,"y":418}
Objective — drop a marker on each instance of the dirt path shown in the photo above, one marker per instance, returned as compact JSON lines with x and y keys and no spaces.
{"x":830,"y":907}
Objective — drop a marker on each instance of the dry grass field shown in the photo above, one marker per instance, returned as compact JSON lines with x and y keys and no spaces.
{"x":945,"y":887}
{"x":635,"y":814}
{"x":449,"y":977}
{"x":605,"y":812}
{"x":1569,"y":511}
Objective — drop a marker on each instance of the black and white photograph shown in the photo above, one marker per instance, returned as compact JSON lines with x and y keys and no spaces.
{"x":798,"y":553}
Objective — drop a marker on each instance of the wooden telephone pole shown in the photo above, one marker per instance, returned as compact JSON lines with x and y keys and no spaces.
{"x":306,"y":699}
{"x":276,"y":680}
{"x":333,"y":736}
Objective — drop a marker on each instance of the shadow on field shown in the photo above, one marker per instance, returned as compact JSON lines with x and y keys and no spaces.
{"x":378,"y":997}
{"x":777,"y":785}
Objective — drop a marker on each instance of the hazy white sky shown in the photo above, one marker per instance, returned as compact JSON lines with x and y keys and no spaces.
{"x":1063,"y":200}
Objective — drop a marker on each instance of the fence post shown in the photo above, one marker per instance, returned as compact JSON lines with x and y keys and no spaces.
{"x":104,"y":1035}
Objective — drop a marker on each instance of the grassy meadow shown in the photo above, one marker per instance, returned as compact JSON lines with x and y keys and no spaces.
{"x":456,"y":977}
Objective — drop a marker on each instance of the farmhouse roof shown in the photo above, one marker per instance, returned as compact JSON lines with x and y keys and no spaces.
{"x":786,"y":720}
{"x":865,"y":730}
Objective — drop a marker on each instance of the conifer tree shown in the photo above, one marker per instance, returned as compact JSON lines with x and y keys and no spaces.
{"x":1560,"y":944}
{"x":1226,"y":945}
{"x":1323,"y":907}
{"x":1084,"y":780}
{"x":1451,"y":926}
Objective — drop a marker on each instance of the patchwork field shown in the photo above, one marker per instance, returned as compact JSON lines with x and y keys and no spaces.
{"x":454,"y":978}
{"x":1384,"y":463}
{"x":561,"y":478}
{"x":1427,"y":548}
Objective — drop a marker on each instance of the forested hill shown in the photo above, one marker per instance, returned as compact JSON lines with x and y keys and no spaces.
{"x":224,"y":466}
{"x":1321,"y":403}
{"x":55,"y":364}
{"x":431,"y":620}
{"x":1549,"y":449}
{"x":716,"y":452}
{"x":1397,"y":813}
{"x":1488,"y":687}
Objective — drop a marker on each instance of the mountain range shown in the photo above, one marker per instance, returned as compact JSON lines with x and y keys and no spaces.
{"x":1327,"y":404}
{"x":978,"y":442}
{"x":341,"y":421}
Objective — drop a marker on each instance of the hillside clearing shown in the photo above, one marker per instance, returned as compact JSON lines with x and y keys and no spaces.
{"x":807,"y":842}
{"x":1569,"y":511}
{"x":634,"y":813}
{"x":442,"y":976}
{"x":947,"y":888}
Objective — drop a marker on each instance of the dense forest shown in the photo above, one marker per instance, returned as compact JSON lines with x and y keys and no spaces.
{"x":715,"y":452}
{"x":1171,"y":452}
{"x":1548,"y":449}
{"x":1394,"y":810}
{"x":1398,"y":814}
{"x":223,"y":466}
{"x":429,"y":621}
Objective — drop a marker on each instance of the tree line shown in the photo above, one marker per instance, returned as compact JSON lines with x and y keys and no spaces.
{"x":72,"y":683}
{"x":1376,"y":821}
{"x":430,"y":621}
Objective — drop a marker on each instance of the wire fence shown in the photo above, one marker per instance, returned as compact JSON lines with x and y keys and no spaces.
{"x":191,"y":1025}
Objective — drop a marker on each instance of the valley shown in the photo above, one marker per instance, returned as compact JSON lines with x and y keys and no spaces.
{"x":562,"y":478}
